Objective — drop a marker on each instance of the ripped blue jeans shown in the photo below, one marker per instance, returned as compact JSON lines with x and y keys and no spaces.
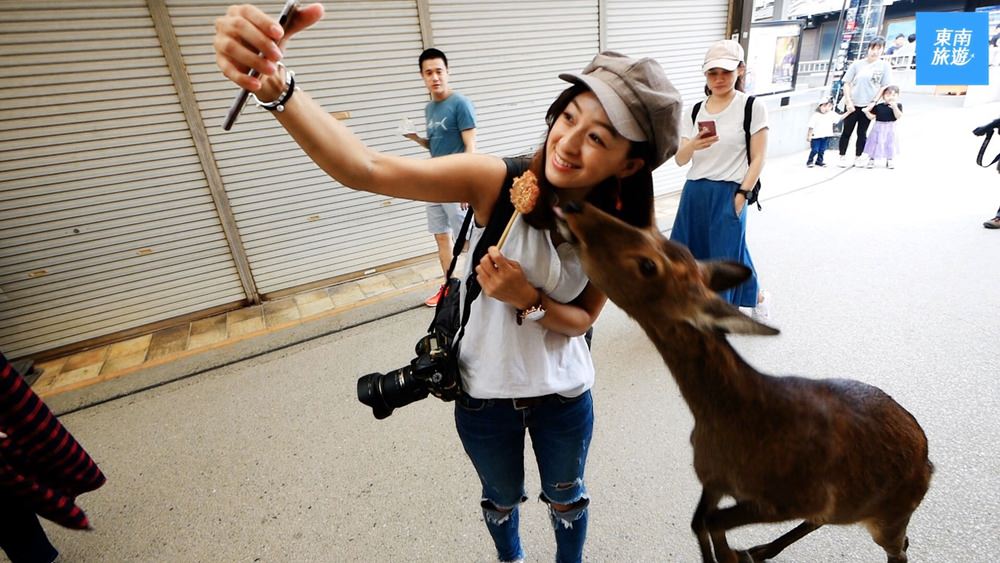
{"x":492,"y":432}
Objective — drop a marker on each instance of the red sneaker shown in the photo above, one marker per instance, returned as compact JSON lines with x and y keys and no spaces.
{"x":432,"y":301}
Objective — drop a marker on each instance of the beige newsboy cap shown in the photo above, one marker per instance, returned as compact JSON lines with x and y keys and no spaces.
{"x":640,"y":101}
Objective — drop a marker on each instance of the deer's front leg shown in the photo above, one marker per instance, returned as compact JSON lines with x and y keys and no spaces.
{"x":699,"y":525}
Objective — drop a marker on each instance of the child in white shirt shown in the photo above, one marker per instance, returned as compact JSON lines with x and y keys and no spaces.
{"x":820,"y":131}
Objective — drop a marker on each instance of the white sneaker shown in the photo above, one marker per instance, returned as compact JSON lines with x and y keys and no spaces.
{"x":843,"y":163}
{"x":889,"y":164}
{"x":859,"y":162}
{"x":762,"y":312}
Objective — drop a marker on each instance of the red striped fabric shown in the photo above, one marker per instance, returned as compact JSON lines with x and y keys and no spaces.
{"x":40,"y":462}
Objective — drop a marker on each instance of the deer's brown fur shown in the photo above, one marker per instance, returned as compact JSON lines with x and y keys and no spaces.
{"x":827,"y":451}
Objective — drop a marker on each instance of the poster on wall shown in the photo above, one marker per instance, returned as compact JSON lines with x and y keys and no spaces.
{"x":772,"y":57}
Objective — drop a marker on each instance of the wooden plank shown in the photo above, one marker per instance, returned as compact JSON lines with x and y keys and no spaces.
{"x":426,"y":29}
{"x":185,"y":91}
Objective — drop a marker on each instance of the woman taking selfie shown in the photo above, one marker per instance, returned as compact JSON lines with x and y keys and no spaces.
{"x":524,"y":363}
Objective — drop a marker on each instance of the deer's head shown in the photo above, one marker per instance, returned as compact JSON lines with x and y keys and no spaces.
{"x":653,"y":279}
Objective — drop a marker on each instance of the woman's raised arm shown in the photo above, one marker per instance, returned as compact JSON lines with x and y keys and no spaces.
{"x":245,"y":31}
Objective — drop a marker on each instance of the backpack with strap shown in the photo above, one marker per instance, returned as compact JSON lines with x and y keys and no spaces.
{"x":753,"y":196}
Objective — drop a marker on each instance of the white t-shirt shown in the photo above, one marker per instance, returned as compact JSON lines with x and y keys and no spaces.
{"x":726,"y":160}
{"x":500,"y":359}
{"x":822,"y":124}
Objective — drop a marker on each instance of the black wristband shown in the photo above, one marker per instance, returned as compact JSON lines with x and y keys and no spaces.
{"x":279,"y":104}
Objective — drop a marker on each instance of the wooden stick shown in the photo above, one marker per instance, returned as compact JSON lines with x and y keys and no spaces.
{"x":506,"y":230}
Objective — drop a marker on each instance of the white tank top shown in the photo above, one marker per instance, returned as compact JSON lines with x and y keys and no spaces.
{"x":500,"y":359}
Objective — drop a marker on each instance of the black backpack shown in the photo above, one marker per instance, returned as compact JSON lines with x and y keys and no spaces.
{"x":747,"y":116}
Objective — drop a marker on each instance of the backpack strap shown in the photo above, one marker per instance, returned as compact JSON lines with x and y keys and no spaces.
{"x":747,"y":118}
{"x":754,"y":195}
{"x":694,"y":112}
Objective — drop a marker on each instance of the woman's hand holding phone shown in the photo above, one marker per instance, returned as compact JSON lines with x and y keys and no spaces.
{"x":246,"y":38}
{"x":707,"y":135}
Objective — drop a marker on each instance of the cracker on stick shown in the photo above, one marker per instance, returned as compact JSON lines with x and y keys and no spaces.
{"x":524,"y":195}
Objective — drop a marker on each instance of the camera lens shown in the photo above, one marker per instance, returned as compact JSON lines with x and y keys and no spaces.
{"x":384,"y":392}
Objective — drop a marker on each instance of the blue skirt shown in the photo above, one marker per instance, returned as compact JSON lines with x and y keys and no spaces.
{"x":707,"y":224}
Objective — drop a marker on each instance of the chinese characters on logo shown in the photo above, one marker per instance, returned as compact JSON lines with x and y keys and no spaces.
{"x":952,"y":47}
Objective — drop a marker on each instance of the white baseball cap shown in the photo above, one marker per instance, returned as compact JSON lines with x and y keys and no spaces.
{"x":725,"y":54}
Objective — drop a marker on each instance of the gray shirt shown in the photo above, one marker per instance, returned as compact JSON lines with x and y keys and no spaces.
{"x":866,"y":79}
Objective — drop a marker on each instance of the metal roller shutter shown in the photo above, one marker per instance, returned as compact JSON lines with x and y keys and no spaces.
{"x":506,"y":57}
{"x":106,"y":220}
{"x":676,"y":33}
{"x":298,"y":225}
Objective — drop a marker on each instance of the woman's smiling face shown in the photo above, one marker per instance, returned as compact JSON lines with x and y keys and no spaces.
{"x":583,"y":148}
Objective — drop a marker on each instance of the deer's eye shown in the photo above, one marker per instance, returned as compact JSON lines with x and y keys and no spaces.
{"x":647,"y":267}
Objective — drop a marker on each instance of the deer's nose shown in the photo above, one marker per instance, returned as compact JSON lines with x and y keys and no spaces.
{"x":573,"y":207}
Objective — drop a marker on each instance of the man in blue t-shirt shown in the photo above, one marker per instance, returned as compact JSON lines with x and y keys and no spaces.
{"x":451,"y":128}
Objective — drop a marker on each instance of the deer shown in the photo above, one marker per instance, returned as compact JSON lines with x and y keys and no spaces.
{"x":785,"y":448}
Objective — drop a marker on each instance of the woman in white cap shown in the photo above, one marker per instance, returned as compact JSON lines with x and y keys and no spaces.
{"x":524,"y":363}
{"x":712,"y":217}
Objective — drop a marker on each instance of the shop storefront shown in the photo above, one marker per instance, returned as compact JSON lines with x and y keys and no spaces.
{"x":124,"y":204}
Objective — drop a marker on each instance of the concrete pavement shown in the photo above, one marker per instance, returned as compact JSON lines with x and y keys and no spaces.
{"x":881,"y":275}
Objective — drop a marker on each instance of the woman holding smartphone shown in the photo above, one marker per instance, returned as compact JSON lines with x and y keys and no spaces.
{"x":712,"y":217}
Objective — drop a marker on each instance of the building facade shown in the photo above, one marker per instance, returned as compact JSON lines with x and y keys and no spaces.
{"x":124,"y":204}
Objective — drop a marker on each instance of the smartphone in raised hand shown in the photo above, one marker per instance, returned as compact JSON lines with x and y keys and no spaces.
{"x":706,"y":129}
{"x":285,"y":21}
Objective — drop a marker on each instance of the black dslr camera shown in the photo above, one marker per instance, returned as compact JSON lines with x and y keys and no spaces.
{"x":434,"y":371}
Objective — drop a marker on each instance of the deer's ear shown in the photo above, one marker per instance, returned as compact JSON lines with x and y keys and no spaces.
{"x":718,"y":315}
{"x":723,"y":275}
